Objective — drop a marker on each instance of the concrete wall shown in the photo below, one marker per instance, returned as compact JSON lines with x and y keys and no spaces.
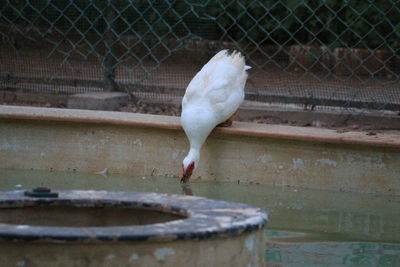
{"x":89,"y":141}
{"x":244,"y":250}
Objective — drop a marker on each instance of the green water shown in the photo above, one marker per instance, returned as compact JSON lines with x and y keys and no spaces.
{"x":306,"y":227}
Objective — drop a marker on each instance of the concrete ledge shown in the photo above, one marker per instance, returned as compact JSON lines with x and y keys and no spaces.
{"x":168,"y":122}
{"x":249,"y":110}
{"x":90,"y":141}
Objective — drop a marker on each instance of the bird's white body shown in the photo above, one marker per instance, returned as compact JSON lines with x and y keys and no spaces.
{"x":213,"y":96}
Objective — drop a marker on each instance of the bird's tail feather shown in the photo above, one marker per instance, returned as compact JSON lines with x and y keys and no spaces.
{"x":235,"y":57}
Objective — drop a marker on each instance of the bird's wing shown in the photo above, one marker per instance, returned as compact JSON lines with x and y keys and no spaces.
{"x":193,"y":89}
{"x":219,"y":84}
{"x":218,"y":91}
{"x":225,"y":92}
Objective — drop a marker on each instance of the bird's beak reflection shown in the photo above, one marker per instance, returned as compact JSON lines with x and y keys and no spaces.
{"x":186,"y":190}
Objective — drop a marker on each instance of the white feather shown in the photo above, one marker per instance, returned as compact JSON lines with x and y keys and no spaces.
{"x":214,"y":95}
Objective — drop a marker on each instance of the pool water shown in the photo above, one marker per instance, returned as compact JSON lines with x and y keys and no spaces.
{"x":306,"y":227}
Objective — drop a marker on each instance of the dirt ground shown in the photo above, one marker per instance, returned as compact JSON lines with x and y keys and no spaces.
{"x":272,"y":75}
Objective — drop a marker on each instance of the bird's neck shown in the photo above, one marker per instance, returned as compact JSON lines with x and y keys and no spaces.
{"x":192,"y":156}
{"x":194,"y":153}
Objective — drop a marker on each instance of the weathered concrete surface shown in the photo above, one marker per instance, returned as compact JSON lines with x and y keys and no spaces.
{"x":243,"y":250}
{"x":98,"y":100}
{"x":213,"y":232}
{"x":89,"y":141}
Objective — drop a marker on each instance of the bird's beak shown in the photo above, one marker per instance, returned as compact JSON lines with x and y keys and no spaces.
{"x":187,"y":173}
{"x":185,"y":178}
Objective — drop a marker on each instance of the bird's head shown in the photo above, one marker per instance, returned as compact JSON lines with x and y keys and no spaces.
{"x":188,"y":165}
{"x":187,"y":172}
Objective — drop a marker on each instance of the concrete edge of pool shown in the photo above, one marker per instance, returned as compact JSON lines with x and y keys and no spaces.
{"x":170,"y":122}
{"x":128,"y":143}
{"x":202,"y":218}
{"x":213,"y":232}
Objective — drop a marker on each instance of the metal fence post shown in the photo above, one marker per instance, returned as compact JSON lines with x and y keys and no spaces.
{"x":110,"y":39}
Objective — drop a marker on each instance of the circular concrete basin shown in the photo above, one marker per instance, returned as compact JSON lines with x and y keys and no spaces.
{"x":101,"y":228}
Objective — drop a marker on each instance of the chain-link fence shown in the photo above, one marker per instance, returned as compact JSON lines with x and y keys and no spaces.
{"x":328,"y":53}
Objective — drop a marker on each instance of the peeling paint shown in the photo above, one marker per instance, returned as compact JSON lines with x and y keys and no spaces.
{"x":298,"y":163}
{"x":134,"y":257}
{"x":10,"y":147}
{"x":328,"y":162}
{"x":368,"y":161}
{"x":162,"y":253}
{"x":380,"y":165}
{"x":175,"y":154}
{"x":250,"y":243}
{"x":138,"y":142}
{"x":92,"y":146}
{"x":264,"y":158}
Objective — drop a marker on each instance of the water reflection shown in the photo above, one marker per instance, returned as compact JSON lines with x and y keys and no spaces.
{"x":186,"y":190}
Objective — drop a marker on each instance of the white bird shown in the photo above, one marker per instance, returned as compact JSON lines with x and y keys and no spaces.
{"x":211,"y":98}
